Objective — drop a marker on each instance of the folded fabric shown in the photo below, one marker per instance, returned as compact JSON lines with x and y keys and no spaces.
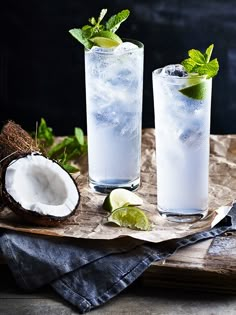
{"x":87,"y":273}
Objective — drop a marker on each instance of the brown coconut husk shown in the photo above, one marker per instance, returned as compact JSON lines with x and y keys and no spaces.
{"x":15,"y":141}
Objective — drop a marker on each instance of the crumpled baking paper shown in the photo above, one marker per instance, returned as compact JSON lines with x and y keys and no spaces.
{"x":90,"y":220}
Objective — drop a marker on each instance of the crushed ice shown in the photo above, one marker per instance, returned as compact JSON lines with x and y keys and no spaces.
{"x":125,"y":47}
{"x":174,"y":70}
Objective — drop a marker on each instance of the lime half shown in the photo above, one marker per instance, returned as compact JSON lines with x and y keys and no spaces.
{"x":121,"y":197}
{"x":131,"y":217}
{"x":197,"y":91}
{"x":106,"y":39}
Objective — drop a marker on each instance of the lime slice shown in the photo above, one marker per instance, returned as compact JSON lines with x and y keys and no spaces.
{"x":121,"y":197}
{"x":131,"y":217}
{"x":197,"y":91}
{"x":106,"y":39}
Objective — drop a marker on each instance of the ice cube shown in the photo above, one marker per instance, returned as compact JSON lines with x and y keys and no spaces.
{"x":123,"y":79}
{"x":192,"y":106}
{"x":106,"y":118}
{"x":128,"y":125}
{"x":191,"y":136}
{"x":125,"y":47}
{"x":174,"y":70}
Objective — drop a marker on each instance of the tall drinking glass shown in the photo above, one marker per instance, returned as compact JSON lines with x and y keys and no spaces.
{"x":182,"y":121}
{"x":114,"y":85}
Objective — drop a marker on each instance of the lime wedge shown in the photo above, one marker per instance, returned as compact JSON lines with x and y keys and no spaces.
{"x":106,"y":39}
{"x":121,"y":197}
{"x":131,"y":217}
{"x":197,"y":91}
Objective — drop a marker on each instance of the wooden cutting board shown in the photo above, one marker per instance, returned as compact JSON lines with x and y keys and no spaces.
{"x":209,"y":266}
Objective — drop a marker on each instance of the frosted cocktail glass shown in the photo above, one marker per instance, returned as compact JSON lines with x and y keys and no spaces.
{"x":114,"y":87}
{"x":182,"y":125}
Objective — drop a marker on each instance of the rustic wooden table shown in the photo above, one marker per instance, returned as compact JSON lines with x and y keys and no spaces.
{"x":135,"y":300}
{"x":200,"y":279}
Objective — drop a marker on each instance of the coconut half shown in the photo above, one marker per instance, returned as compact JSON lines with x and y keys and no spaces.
{"x":39,"y":189}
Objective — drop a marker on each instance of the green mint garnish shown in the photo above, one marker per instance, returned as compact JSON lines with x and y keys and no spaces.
{"x":82,"y":36}
{"x":88,"y":32}
{"x":64,"y":151}
{"x":200,"y":63}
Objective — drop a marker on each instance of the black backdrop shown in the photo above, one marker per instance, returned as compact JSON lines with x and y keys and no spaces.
{"x":42,"y":66}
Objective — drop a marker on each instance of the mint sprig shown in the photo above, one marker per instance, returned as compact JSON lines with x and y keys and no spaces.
{"x":66,"y":150}
{"x":200,"y":63}
{"x":45,"y":134}
{"x":89,"y":31}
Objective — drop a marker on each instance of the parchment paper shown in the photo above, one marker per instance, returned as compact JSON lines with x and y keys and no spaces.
{"x":90,"y":219}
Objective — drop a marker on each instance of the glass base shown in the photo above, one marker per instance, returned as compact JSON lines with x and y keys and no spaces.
{"x":105,"y":187}
{"x":183,"y":216}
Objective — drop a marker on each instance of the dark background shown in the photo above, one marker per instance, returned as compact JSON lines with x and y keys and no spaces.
{"x":42,"y":66}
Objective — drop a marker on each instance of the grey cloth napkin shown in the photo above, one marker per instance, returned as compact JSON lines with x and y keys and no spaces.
{"x":87,"y":273}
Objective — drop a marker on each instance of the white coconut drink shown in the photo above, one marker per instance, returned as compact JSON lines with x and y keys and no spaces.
{"x":35,"y":187}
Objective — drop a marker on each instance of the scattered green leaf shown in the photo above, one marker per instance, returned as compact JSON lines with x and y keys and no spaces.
{"x":70,"y":168}
{"x":67,"y":150}
{"x":79,"y":135}
{"x":45,"y":134}
{"x":59,"y":148}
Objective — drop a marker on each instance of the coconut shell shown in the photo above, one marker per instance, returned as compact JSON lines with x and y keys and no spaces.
{"x":14,"y":140}
{"x":28,"y":215}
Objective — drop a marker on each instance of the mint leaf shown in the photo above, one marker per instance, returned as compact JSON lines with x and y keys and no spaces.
{"x":64,"y":151}
{"x":87,"y":32}
{"x":209,"y":52}
{"x":87,"y":27}
{"x":115,"y":21}
{"x":69,"y":168}
{"x":210,"y":69}
{"x":101,"y":15}
{"x":60,"y":147}
{"x":196,"y":56}
{"x":96,"y":27}
{"x":92,"y":20}
{"x":45,"y":134}
{"x":82,"y":36}
{"x":188,"y":64}
{"x":200,"y":63}
{"x":79,"y":135}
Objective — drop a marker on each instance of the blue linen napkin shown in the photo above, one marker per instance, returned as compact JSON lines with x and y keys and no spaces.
{"x":87,"y":273}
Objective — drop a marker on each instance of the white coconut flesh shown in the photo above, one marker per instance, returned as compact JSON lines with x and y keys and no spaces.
{"x":41,"y":185}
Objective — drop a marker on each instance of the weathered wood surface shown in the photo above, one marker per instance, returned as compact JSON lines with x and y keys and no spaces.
{"x":207,"y":266}
{"x":199,"y":279}
{"x":136,"y":300}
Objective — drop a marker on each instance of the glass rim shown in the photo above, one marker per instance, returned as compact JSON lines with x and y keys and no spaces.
{"x":107,"y":51}
{"x":189,"y":77}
